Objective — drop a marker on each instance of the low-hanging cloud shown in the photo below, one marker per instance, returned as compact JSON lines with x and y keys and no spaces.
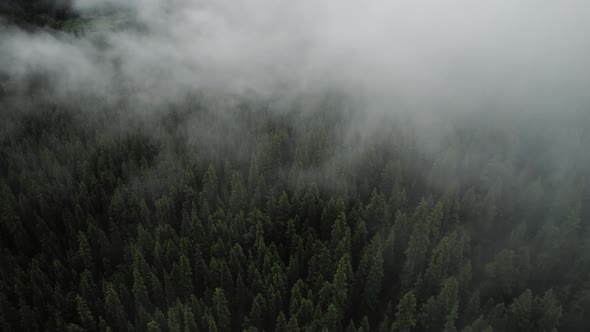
{"x":441,"y":65}
{"x":424,"y":55}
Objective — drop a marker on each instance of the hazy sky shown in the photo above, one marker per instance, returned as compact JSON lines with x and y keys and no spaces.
{"x":421,"y":55}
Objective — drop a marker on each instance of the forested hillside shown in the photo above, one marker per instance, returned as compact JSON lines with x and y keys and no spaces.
{"x":309,"y":165}
{"x":222,"y":214}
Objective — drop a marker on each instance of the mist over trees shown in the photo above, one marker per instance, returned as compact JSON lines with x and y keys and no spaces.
{"x":151,"y":183}
{"x":178,"y":221}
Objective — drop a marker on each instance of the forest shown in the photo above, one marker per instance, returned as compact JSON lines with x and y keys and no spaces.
{"x":218,"y":211}
{"x":263,"y":221}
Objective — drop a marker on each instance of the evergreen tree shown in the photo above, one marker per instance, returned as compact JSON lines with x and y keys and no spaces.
{"x":405,"y":318}
{"x":115,"y":313}
{"x":153,"y":326}
{"x":520,"y":312}
{"x":221,"y":311}
{"x":84,"y":314}
{"x":237,"y":198}
{"x":550,"y":312}
{"x":257,"y":315}
{"x":417,"y":246}
{"x":281,"y":324}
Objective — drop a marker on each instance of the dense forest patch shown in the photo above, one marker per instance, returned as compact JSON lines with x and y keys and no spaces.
{"x":216,"y":165}
{"x":213,"y":217}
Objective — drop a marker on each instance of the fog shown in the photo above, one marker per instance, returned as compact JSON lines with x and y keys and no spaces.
{"x":513,"y":66}
{"x":396,"y":165}
{"x":422,"y":56}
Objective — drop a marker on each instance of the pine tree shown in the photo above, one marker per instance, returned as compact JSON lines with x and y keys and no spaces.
{"x":405,"y":318}
{"x":257,"y":315}
{"x":153,"y":326}
{"x":84,"y":314}
{"x":377,"y":212}
{"x":333,"y":318}
{"x":340,"y":241}
{"x":417,"y":246}
{"x":210,"y":187}
{"x":175,"y":318}
{"x":221,"y":311}
{"x":212,"y":326}
{"x":190,"y":324}
{"x":550,"y":311}
{"x":369,"y":278}
{"x":169,"y":290}
{"x":237,"y":200}
{"x":329,"y":215}
{"x":115,"y":313}
{"x":341,"y":284}
{"x":365,"y":327}
{"x":140,"y":294}
{"x":520,"y":312}
{"x":88,"y":288}
{"x":281,"y":324}
{"x":359,"y":241}
{"x":293,"y":325}
{"x":182,"y":277}
{"x":85,"y":258}
{"x":351,"y":327}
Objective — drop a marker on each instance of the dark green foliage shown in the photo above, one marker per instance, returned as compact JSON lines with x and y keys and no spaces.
{"x":221,"y":311}
{"x":150,"y":226}
{"x":405,"y":318}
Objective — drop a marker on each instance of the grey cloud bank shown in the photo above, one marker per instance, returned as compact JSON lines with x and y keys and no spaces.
{"x":420,"y":55}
